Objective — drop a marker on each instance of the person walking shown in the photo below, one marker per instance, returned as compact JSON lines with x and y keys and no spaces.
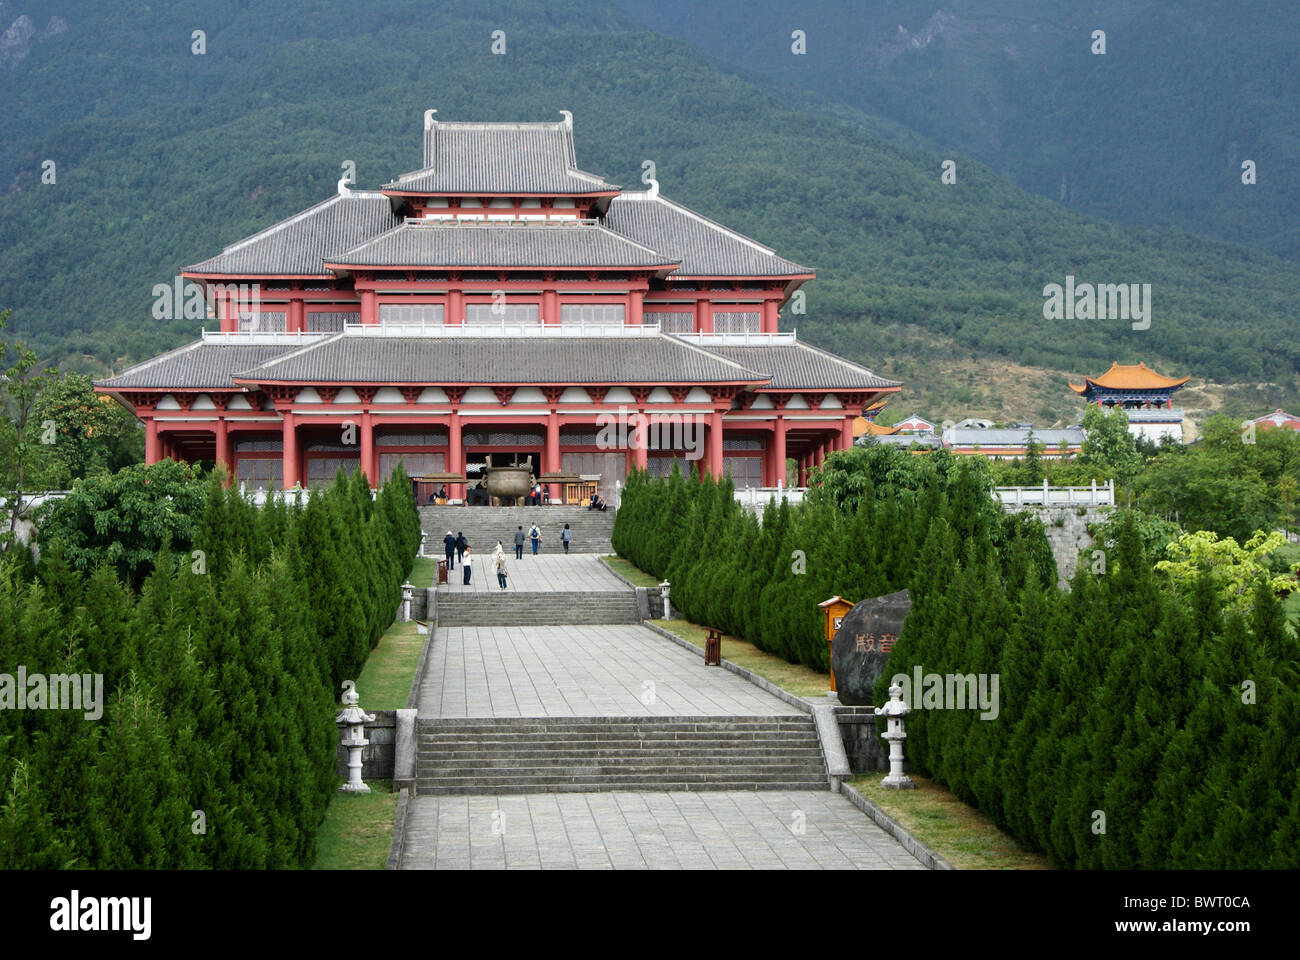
{"x":519,"y":544}
{"x":566,"y":537}
{"x":499,"y":565}
{"x":535,"y":535}
{"x":466,"y":564}
{"x":462,"y":546}
{"x":449,"y":542}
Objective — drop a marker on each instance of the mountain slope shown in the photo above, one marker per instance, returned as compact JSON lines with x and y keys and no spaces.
{"x":164,"y":157}
{"x":1153,"y":132}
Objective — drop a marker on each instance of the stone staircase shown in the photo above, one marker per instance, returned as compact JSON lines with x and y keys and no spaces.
{"x":522,"y":609}
{"x":584,"y":754}
{"x":484,"y":526}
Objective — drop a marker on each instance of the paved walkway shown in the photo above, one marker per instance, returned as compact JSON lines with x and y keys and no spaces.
{"x":577,"y":572}
{"x":615,"y":671}
{"x":667,"y":831}
{"x":621,"y":670}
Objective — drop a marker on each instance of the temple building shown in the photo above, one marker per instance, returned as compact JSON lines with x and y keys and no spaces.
{"x":499,"y":305}
{"x":1278,"y":420}
{"x":1146,"y":396}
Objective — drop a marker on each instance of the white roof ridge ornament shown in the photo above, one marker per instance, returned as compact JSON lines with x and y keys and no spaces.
{"x":568,"y":118}
{"x":343,"y":187}
{"x":429,"y":121}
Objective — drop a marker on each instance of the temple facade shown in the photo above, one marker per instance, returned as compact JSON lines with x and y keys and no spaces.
{"x":499,"y":305}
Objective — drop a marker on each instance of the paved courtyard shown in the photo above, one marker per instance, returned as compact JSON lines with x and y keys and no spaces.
{"x":658,"y":831}
{"x":577,"y":572}
{"x":621,"y":670}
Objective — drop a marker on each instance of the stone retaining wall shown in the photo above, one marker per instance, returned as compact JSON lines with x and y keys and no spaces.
{"x":1067,"y":532}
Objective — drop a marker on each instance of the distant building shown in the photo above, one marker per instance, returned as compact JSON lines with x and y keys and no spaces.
{"x":1146,"y":396}
{"x":975,"y":423}
{"x":1012,"y":443}
{"x":914,"y":424}
{"x":1278,"y":419}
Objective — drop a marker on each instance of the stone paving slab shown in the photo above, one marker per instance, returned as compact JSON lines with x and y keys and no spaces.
{"x":621,"y":670}
{"x":724,"y":830}
{"x":577,"y":572}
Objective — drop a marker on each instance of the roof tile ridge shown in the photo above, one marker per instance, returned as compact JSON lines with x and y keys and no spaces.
{"x":153,"y":361}
{"x":715,"y":356}
{"x":848,"y":363}
{"x":297,"y":217}
{"x":660,"y":198}
{"x":287,"y":355}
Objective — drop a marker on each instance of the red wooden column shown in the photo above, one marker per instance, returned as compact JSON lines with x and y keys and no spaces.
{"x":703,"y":316}
{"x":771,"y":314}
{"x":778,"y":452}
{"x":152,"y":441}
{"x":846,"y":433}
{"x":369,"y":307}
{"x":455,"y":307}
{"x":289,"y":455}
{"x":369,"y":461}
{"x":819,"y":456}
{"x":715,"y":443}
{"x":640,"y":441}
{"x":455,"y":456}
{"x":803,"y":471}
{"x":550,"y":306}
{"x":552,"y":462}
{"x":297,"y":316}
{"x":221,"y":436}
{"x":635,"y":302}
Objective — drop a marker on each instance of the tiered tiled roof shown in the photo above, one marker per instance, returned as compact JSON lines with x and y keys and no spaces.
{"x":1128,"y":377}
{"x":503,"y":243}
{"x":507,"y":158}
{"x":298,"y":246}
{"x":791,"y":365}
{"x":472,"y":356}
{"x":705,"y":248}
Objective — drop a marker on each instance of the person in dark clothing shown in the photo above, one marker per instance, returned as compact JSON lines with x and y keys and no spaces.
{"x":566,"y":537}
{"x":449,"y":542}
{"x":462,"y":545}
{"x":519,"y":544}
{"x":442,"y":493}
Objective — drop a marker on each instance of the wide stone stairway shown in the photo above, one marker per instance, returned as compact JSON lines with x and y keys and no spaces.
{"x":555,"y":731}
{"x":484,"y":526}
{"x":528,"y":755}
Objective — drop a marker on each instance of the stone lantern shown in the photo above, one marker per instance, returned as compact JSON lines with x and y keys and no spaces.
{"x":663,"y":592}
{"x":352,"y":722}
{"x":408,"y":594}
{"x":894,"y":712}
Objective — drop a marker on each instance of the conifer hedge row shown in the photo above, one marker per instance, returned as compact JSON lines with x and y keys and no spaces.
{"x":1137,"y":727}
{"x":221,"y":674}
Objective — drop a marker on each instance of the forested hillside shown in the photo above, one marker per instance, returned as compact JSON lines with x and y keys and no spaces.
{"x":1151,"y":132}
{"x":164,"y":156}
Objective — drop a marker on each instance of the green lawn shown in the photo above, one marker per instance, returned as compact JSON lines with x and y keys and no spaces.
{"x":793,"y":677}
{"x":425,"y":569}
{"x":634,"y":574}
{"x":385,"y":680}
{"x":358,"y":829}
{"x":964,"y":836}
